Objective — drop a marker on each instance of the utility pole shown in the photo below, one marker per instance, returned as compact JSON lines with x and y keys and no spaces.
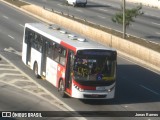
{"x":124,"y":25}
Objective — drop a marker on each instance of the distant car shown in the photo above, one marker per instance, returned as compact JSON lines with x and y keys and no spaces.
{"x":77,"y":2}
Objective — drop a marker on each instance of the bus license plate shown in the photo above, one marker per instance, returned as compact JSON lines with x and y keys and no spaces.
{"x":100,"y":88}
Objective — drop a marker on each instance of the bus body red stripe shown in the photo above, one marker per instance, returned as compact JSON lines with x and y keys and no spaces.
{"x":68,"y":46}
{"x":84,"y":87}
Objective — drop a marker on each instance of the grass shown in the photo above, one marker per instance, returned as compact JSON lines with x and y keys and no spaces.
{"x":153,"y":46}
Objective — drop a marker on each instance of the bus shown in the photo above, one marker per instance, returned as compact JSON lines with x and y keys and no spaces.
{"x":78,"y":67}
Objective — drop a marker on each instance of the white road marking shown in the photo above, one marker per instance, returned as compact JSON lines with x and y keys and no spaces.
{"x":155,"y":23}
{"x":79,"y":10}
{"x":12,"y":50}
{"x":103,"y":10}
{"x":5,"y":16}
{"x":155,"y":16}
{"x":150,"y":90}
{"x":103,"y":3}
{"x":101,"y":17}
{"x":11,"y":37}
{"x":152,"y":15}
{"x":158,"y":33}
{"x":60,"y":5}
{"x":108,"y":4}
{"x":21,"y":25}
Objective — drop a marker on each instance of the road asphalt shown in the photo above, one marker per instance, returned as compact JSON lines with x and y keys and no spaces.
{"x":20,"y":93}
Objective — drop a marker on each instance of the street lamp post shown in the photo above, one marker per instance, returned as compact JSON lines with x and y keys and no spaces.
{"x":124,"y":25}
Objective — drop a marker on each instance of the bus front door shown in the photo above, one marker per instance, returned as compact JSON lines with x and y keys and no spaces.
{"x":29,"y":43}
{"x":69,"y":69}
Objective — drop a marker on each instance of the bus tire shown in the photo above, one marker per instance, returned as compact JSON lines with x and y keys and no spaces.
{"x":74,"y":4}
{"x":61,"y":89}
{"x":35,"y":69}
{"x":66,"y":2}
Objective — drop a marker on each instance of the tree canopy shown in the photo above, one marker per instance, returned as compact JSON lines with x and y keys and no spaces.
{"x":130,"y":14}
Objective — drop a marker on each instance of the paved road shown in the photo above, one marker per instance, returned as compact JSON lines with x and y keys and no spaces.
{"x":137,"y":87}
{"x":101,"y":12}
{"x":20,"y":93}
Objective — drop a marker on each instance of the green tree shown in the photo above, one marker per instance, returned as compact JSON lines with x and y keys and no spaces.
{"x":130,"y":14}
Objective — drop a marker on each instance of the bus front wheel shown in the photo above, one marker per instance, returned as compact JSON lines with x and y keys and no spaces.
{"x":61,"y":89}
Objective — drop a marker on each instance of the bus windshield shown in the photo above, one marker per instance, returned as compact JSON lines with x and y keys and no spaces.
{"x":94,"y":68}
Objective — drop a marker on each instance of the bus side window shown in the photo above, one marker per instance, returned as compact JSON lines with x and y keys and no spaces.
{"x":29,"y":35}
{"x":57,"y":55}
{"x":53,"y":49}
{"x":35,"y":42}
{"x":72,"y":59}
{"x":32,"y":38}
{"x":40,"y":43}
{"x":62,"y":53}
{"x":50,"y":49}
{"x":26,"y":35}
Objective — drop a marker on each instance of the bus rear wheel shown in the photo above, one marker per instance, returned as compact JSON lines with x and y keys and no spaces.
{"x":74,"y":4}
{"x":35,"y":69}
{"x":61,"y":89}
{"x":66,"y":2}
{"x":84,"y":5}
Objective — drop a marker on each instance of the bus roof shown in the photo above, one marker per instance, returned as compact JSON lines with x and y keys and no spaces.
{"x":59,"y":35}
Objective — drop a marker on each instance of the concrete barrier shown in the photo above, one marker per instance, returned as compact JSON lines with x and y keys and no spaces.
{"x":123,"y":45}
{"x":137,"y":50}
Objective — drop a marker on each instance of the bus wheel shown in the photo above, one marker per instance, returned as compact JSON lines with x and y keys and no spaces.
{"x":74,"y":4}
{"x":61,"y":89}
{"x":36,"y":70}
{"x":66,"y":2}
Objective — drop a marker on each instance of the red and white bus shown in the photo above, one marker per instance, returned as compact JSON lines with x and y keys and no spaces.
{"x":78,"y":67}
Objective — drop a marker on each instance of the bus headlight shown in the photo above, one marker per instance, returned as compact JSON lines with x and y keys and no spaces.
{"x":109,"y":90}
{"x":81,"y":90}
